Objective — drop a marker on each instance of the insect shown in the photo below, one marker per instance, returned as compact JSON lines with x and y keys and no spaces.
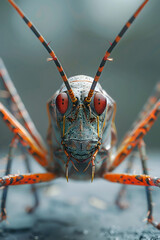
{"x":81,"y":135}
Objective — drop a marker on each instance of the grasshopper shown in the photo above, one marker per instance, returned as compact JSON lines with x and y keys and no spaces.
{"x":81,"y":136}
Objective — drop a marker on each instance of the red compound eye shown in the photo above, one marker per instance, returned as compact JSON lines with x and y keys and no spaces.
{"x":99,"y":103}
{"x":62,"y":102}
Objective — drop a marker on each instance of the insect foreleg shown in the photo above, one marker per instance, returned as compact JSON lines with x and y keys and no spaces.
{"x":23,"y":136}
{"x":132,"y":179}
{"x":17,"y":107}
{"x":154,"y":97}
{"x":32,"y":178}
{"x":135,"y":136}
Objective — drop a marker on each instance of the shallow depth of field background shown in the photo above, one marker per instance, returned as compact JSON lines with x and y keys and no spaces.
{"x":79,"y":32}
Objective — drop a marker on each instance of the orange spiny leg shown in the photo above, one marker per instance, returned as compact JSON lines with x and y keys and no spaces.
{"x":155,"y":96}
{"x":8,"y":168}
{"x":143,"y":157}
{"x":108,"y":52}
{"x":47,"y":47}
{"x":132,"y":179}
{"x":132,"y":140}
{"x":23,"y":136}
{"x":21,"y":179}
{"x":17,"y":107}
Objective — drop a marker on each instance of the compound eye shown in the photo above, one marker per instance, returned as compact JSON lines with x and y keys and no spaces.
{"x":62,"y":102}
{"x":99,"y":103}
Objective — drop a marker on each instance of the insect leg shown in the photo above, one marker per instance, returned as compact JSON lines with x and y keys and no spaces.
{"x":120,"y":199}
{"x":143,"y":157}
{"x":17,"y":107}
{"x":132,"y":179}
{"x":8,"y":167}
{"x":33,"y":188}
{"x":155,"y":96}
{"x":32,"y":178}
{"x":23,"y":136}
{"x":135,"y":136}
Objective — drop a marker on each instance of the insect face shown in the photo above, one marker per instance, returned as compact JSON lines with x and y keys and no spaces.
{"x":80,"y":126}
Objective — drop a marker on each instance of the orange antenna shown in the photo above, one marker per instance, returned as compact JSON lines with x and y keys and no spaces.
{"x":108,"y":52}
{"x":47,"y":47}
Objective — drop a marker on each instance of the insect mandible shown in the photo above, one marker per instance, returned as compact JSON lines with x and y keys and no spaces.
{"x":81,"y":134}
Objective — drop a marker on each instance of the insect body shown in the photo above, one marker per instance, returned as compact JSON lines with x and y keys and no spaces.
{"x":81,"y":133}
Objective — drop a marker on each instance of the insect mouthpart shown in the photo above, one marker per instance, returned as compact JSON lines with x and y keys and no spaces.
{"x":80,"y":150}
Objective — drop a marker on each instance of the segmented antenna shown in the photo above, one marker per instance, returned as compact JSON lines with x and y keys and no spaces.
{"x":108,"y":52}
{"x":47,"y":47}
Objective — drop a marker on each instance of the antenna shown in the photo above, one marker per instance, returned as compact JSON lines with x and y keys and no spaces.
{"x":47,"y":47}
{"x":108,"y":52}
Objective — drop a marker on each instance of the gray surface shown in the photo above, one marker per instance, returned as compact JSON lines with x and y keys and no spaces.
{"x":80,"y":210}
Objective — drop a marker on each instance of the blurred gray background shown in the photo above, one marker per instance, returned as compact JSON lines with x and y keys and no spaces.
{"x":79,"y":32}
